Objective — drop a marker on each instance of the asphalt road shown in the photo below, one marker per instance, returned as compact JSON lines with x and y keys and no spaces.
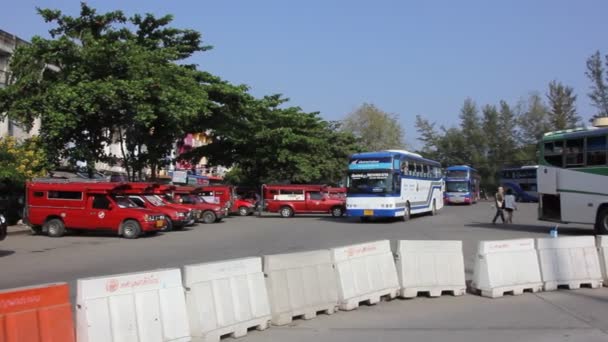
{"x":580,"y":315}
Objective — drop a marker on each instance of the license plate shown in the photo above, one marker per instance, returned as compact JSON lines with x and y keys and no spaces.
{"x":160,"y":223}
{"x":368,"y":213}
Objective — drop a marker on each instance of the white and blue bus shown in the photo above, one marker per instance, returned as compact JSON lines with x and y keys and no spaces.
{"x":522,"y":181}
{"x":462,"y":185}
{"x":393,"y":183}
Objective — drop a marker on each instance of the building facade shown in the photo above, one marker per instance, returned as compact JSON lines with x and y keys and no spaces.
{"x":9,"y":128}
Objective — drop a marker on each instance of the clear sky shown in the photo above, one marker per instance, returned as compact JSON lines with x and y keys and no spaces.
{"x":406,"y":57}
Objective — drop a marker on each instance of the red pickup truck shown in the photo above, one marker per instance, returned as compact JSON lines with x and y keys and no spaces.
{"x":55,"y":206}
{"x":288,"y":200}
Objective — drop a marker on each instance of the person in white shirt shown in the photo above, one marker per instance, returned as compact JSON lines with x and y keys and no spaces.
{"x":510,"y":205}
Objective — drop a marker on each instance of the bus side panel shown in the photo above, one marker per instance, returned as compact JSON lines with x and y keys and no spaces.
{"x":577,"y":208}
{"x":547,"y":180}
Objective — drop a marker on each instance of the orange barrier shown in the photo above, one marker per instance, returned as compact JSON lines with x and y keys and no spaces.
{"x":36,"y":314}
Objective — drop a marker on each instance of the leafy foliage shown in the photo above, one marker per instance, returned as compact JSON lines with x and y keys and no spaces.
{"x":21,"y":161}
{"x":112,"y":79}
{"x":375,"y":129}
{"x":599,"y":89}
{"x":562,"y":106}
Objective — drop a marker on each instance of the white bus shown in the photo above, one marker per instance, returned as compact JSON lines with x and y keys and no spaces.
{"x":393,"y":183}
{"x":572,"y":182}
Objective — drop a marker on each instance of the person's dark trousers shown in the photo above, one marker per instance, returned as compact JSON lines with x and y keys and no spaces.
{"x":500,"y":214}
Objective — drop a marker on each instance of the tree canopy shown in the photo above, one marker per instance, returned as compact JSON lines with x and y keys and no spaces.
{"x":376,"y":130}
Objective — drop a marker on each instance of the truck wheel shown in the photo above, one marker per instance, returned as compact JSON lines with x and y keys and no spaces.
{"x":169,"y":226}
{"x":601,"y":225}
{"x":209,"y":217}
{"x":243,"y":211}
{"x":286,"y":212}
{"x":337,"y":212}
{"x":54,"y":227}
{"x":131,"y":229}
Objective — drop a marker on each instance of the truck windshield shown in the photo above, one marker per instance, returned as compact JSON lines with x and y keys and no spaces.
{"x":154,"y":200}
{"x":365,"y":182}
{"x":124,"y":202}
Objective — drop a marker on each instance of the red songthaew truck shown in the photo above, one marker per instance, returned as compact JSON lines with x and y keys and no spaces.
{"x":291,"y":199}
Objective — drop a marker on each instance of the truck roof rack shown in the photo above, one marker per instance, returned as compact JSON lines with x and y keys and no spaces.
{"x":67,"y":180}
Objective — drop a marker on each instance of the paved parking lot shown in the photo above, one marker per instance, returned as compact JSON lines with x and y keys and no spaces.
{"x":580,"y":315}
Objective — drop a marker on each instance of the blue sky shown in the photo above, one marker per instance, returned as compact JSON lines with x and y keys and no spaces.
{"x":406,"y":57}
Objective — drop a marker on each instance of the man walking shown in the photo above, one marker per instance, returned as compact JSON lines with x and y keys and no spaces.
{"x":499,"y":200}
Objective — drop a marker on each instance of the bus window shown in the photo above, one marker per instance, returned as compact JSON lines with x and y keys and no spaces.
{"x":574,"y":153}
{"x":411,"y":168}
{"x":397,"y":184}
{"x":553,"y":153}
{"x":418,"y":169}
{"x":596,"y":150}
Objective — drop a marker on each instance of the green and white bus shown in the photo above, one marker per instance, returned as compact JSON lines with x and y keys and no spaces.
{"x":573,"y":177}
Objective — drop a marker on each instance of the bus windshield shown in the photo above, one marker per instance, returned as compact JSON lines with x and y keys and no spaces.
{"x":457,"y":186}
{"x":370,"y":183}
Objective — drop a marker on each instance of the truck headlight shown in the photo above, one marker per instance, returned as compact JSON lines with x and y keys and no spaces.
{"x":181,"y":215}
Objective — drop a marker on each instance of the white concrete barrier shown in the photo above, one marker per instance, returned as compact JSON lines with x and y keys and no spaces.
{"x":300,"y":284}
{"x":226,"y":297}
{"x":365,"y":272}
{"x":506,"y":266}
{"x":145,"y":306}
{"x":602,"y":248}
{"x":430,"y":266}
{"x":569,"y":261}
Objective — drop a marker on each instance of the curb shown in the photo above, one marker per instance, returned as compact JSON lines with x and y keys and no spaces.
{"x":18,"y":230}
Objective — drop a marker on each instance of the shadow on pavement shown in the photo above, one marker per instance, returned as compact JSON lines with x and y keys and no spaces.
{"x":532,"y":228}
{"x":6,"y":253}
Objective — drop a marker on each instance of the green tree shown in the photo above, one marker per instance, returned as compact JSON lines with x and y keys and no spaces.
{"x":429,"y":136}
{"x":533,"y":122}
{"x":375,"y":129}
{"x":507,"y":135}
{"x":21,"y":160}
{"x":470,"y":126}
{"x":493,"y":153}
{"x":271,"y":143}
{"x":599,"y":88}
{"x":562,"y":106}
{"x":115,"y":79}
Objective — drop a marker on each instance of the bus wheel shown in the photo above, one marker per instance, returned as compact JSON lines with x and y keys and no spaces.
{"x":601,"y":226}
{"x":286,"y":212}
{"x":54,"y":227}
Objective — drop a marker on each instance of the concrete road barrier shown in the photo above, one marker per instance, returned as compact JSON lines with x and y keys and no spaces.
{"x":144,"y":306}
{"x":226,"y":297}
{"x":506,"y":266}
{"x":602,"y":248}
{"x":300,"y":284}
{"x":36,"y":314}
{"x":570,"y":262}
{"x":365,"y":272}
{"x":431,"y":267}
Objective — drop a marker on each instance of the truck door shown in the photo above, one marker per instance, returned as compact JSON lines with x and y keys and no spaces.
{"x":314,"y":202}
{"x":100,"y":212}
